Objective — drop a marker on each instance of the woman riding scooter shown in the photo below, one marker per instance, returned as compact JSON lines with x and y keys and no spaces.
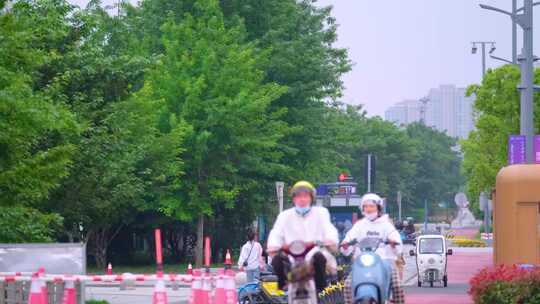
{"x":375,"y":224}
{"x":306,"y":223}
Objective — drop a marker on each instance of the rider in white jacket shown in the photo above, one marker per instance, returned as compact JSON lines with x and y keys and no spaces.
{"x":381,"y":228}
{"x":306,"y":223}
{"x":375,"y":224}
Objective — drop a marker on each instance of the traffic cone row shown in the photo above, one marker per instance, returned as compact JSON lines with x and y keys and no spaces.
{"x":201,"y":289}
{"x":225,"y":291}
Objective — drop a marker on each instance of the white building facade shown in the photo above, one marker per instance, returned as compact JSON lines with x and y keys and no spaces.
{"x":447,"y":110}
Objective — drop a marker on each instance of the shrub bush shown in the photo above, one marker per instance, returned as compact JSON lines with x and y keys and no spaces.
{"x":506,"y":284}
{"x":468,"y":243}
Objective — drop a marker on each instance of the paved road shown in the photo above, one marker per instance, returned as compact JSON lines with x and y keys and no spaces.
{"x":141,"y":295}
{"x":464,"y":264}
{"x":461,"y":267}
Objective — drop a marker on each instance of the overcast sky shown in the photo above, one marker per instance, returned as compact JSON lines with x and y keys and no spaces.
{"x":402,"y":48}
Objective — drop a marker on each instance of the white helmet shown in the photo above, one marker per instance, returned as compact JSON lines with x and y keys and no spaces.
{"x":373,"y":198}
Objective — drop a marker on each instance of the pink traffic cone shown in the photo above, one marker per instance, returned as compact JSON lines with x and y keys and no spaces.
{"x":206,"y":289}
{"x":220,"y":296}
{"x":70,"y":295}
{"x":109,"y":269}
{"x":44,"y":289}
{"x":160,"y":292}
{"x":35,"y":296}
{"x":230,"y":287}
{"x":196,"y":288}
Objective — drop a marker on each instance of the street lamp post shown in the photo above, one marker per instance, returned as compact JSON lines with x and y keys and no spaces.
{"x":526,"y":61}
{"x":527,"y":79}
{"x":483,"y":44}
{"x":514,"y":16}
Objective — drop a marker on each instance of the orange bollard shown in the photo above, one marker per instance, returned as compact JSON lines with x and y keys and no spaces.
{"x":36,"y":295}
{"x":160,"y":292}
{"x":70,"y":295}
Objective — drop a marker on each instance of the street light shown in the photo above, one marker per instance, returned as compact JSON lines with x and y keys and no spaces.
{"x":483,"y":44}
{"x":492,"y":49}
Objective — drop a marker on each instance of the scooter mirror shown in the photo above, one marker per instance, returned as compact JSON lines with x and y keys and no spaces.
{"x":412,"y":253}
{"x":450,"y":252}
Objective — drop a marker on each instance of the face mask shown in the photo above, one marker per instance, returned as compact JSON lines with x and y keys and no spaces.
{"x":371,"y":216}
{"x":302,"y":210}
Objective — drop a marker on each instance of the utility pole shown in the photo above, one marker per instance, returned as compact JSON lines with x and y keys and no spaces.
{"x":514,"y":32}
{"x":527,"y":87}
{"x":526,"y":62}
{"x":399,"y":205}
{"x":369,"y":173}
{"x":425,"y":215}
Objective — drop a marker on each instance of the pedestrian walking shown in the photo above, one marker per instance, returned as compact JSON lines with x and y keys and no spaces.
{"x":251,"y":259}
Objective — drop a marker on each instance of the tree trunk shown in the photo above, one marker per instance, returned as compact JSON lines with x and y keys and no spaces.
{"x":101,"y":239}
{"x":200,"y":242}
{"x":100,"y":248}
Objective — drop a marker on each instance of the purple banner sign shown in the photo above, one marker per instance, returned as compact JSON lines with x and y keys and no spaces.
{"x":537,"y":149}
{"x":516,"y":149}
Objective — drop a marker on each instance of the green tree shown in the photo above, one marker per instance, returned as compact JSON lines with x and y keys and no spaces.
{"x":497,"y":116}
{"x":36,"y":147}
{"x":438,"y":165}
{"x":210,"y":79}
{"x":27,"y":225}
{"x":300,"y":36}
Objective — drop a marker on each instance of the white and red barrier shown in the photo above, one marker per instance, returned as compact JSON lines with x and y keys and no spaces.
{"x":206,"y":288}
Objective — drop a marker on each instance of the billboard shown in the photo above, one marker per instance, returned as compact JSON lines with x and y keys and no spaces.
{"x":68,"y":258}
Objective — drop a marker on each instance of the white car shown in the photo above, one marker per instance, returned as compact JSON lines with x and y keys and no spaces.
{"x":431,"y":259}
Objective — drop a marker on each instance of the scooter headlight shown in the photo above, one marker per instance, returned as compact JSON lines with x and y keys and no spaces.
{"x":367,"y":260}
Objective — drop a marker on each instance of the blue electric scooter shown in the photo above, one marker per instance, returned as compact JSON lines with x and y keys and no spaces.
{"x":370,"y":275}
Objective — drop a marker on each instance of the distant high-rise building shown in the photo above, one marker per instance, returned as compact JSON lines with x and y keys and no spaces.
{"x":397,"y":114}
{"x":447,"y":109}
{"x":404,"y":113}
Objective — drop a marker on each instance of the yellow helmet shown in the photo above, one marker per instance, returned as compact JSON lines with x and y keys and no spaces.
{"x":303,"y":186}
